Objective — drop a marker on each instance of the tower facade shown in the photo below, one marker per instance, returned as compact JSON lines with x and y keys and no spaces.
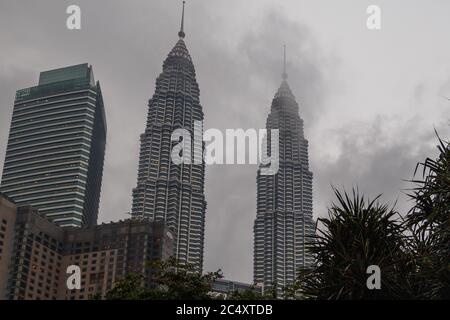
{"x":56,"y":146}
{"x":284,"y":220}
{"x":165,"y":191}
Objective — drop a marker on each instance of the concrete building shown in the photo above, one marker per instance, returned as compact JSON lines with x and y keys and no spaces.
{"x":39,"y":253}
{"x":56,"y":146}
{"x":7,"y":221}
{"x":36,"y":269}
{"x":106,"y":253}
{"x":284,"y":222}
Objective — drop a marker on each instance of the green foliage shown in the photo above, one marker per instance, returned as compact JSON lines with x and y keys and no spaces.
{"x":129,"y":288}
{"x":178,"y":281}
{"x":357,"y":234}
{"x":429,"y":223}
{"x":250,"y":294}
{"x":171,"y":281}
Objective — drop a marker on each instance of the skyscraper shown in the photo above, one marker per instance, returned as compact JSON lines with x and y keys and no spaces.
{"x":55,"y":153}
{"x":284,"y":200}
{"x":165,"y":191}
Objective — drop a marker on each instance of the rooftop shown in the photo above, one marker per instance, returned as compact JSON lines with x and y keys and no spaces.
{"x":70,"y":78}
{"x":80,"y":71}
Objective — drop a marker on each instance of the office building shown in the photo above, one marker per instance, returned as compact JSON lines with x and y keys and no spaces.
{"x":56,"y":146}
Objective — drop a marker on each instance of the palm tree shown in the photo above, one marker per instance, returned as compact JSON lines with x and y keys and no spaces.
{"x":429,"y":224}
{"x":357,"y":234}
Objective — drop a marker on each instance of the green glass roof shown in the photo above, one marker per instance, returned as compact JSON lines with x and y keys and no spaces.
{"x":81,"y":71}
{"x":70,"y":78}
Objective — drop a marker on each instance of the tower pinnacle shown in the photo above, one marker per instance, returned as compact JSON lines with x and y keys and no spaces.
{"x":181,"y":34}
{"x":284,"y":74}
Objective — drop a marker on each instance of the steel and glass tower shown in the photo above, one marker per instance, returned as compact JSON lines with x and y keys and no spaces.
{"x":165,"y":191}
{"x":56,"y":146}
{"x":284,"y":221}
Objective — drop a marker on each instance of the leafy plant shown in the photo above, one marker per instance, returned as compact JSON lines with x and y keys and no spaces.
{"x":429,"y":224}
{"x":357,"y":234}
{"x":170,"y":280}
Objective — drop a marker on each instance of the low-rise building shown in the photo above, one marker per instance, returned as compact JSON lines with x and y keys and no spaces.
{"x":7,"y":221}
{"x":225,"y":288}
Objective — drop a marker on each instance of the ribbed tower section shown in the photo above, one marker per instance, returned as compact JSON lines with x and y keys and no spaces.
{"x":284,"y":200}
{"x":166,"y":191}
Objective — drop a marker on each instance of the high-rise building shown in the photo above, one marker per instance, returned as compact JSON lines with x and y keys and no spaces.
{"x":165,"y":191}
{"x":284,"y":222}
{"x":55,"y":153}
{"x":35,"y":254}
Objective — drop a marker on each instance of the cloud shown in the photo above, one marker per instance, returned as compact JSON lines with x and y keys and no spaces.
{"x":378,"y":157}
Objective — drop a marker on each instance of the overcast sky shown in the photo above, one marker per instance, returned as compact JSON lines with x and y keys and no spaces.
{"x":370,"y":99}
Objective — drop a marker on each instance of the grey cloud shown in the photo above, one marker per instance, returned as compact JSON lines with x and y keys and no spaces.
{"x":376,"y":159}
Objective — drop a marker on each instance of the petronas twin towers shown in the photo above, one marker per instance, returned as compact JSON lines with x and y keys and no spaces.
{"x":174,"y":193}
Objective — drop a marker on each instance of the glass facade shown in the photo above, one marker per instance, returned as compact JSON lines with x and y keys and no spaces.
{"x":54,"y":159}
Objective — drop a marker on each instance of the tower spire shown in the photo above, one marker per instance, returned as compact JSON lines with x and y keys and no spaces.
{"x":181,"y":34}
{"x":284,"y":74}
